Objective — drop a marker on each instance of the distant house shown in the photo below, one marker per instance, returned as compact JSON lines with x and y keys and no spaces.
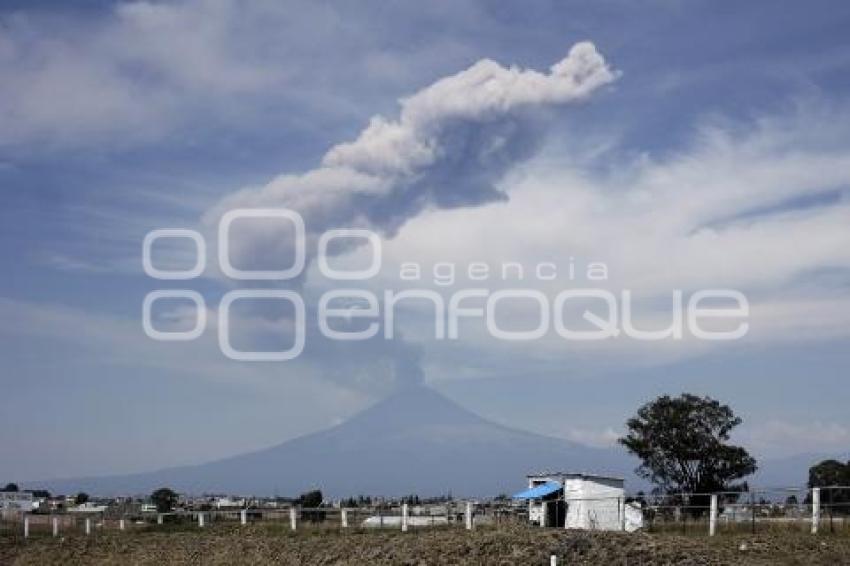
{"x":228,"y":503}
{"x":579,"y":501}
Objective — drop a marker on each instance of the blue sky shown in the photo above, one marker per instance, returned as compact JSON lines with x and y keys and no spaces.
{"x":718,"y":154}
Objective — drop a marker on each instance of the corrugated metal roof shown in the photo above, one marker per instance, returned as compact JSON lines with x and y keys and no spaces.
{"x":538,"y":491}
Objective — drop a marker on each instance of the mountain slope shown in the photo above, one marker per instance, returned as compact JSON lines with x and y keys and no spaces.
{"x":415,"y":441}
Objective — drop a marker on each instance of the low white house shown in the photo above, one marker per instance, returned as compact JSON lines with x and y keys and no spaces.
{"x":227,"y":503}
{"x":580,"y":501}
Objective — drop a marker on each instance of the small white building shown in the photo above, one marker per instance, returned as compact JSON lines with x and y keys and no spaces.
{"x":228,"y":503}
{"x":580,"y":501}
{"x":87,"y":507}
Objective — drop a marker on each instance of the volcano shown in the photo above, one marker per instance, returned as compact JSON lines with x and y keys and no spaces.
{"x":414,"y":441}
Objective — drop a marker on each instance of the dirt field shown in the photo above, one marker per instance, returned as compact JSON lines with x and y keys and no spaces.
{"x":258,"y":544}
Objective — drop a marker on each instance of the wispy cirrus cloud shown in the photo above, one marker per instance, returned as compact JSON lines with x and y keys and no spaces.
{"x":131,"y":74}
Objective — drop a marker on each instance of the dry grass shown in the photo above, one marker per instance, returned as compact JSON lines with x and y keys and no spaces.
{"x":262,"y":544}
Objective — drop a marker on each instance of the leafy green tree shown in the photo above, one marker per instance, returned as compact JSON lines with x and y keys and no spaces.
{"x":165,"y":499}
{"x":830,"y":473}
{"x":311,"y":501}
{"x":81,"y":498}
{"x":10,"y":487}
{"x":683,"y":445}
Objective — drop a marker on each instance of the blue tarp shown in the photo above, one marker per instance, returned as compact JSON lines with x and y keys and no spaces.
{"x":541,"y":490}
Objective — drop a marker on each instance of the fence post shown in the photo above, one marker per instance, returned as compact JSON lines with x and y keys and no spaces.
{"x":200,"y":520}
{"x":753,"y":511}
{"x":56,"y":526}
{"x":121,"y":525}
{"x":404,"y":517}
{"x":712,"y":517}
{"x":468,"y":515}
{"x":553,"y":560}
{"x":243,"y":516}
{"x":344,"y":518}
{"x":293,"y":519}
{"x":88,"y":526}
{"x":26,"y":526}
{"x":622,"y":511}
{"x":815,"y":509}
{"x":159,"y":518}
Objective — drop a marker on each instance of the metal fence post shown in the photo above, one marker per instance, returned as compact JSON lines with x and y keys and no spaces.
{"x":815,"y":509}
{"x":404,"y":517}
{"x":344,"y":518}
{"x":26,"y":526}
{"x":553,"y":560}
{"x":753,"y":511}
{"x":469,"y":515}
{"x":243,"y":516}
{"x":88,"y":526}
{"x":200,"y":520}
{"x":56,"y":526}
{"x":712,"y":517}
{"x":293,"y":518}
{"x":121,"y":525}
{"x":159,"y":518}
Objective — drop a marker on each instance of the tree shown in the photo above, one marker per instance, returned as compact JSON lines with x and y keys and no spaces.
{"x":311,"y":499}
{"x":683,"y":446}
{"x":165,"y":499}
{"x":310,"y":502}
{"x":81,"y":498}
{"x":11,"y":487}
{"x":830,"y":473}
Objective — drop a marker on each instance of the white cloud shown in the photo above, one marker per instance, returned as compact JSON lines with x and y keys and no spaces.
{"x":761,"y":208}
{"x":601,"y":438}
{"x":139,"y":72}
{"x":686,"y":221}
{"x":780,"y":438}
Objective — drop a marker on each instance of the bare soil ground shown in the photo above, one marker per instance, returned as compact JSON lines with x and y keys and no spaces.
{"x":263,"y":544}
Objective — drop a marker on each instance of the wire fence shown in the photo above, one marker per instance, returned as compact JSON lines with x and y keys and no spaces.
{"x":817,"y":511}
{"x":822,"y":510}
